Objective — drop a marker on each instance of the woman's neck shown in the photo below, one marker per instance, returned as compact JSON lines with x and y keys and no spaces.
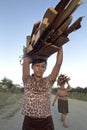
{"x":37,"y":77}
{"x":62,"y":88}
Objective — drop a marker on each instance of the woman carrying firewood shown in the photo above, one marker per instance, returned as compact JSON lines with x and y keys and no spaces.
{"x":37,"y":93}
{"x":62,"y":96}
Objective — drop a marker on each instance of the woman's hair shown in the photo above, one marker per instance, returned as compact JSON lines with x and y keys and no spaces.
{"x":35,"y":61}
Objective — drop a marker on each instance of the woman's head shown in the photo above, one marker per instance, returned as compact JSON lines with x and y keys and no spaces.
{"x":39,"y":67}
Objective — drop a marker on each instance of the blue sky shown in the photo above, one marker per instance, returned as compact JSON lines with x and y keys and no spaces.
{"x":16,"y":22}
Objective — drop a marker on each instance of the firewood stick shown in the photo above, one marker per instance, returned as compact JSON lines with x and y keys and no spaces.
{"x":65,"y":13}
{"x":50,"y":44}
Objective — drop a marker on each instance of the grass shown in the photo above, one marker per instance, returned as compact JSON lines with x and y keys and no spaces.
{"x":10,"y":103}
{"x":79,"y":96}
{"x":11,"y":113}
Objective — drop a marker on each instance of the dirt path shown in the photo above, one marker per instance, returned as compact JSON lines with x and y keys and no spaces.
{"x":76,"y":119}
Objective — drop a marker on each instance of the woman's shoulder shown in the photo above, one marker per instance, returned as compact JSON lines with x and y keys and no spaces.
{"x":49,"y":78}
{"x":27,"y":79}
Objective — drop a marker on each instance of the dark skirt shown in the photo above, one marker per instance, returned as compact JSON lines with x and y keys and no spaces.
{"x":38,"y":123}
{"x":63,"y":106}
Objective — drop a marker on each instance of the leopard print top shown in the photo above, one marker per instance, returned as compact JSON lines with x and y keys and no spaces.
{"x":37,"y":97}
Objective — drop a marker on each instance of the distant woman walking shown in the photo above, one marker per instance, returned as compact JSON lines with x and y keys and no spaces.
{"x":62,"y":96}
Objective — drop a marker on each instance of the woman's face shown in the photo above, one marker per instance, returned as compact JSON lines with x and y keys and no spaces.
{"x":39,"y":69}
{"x":63,"y":85}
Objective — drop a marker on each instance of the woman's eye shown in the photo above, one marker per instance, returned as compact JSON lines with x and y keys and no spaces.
{"x":43,"y":66}
{"x":37,"y":65}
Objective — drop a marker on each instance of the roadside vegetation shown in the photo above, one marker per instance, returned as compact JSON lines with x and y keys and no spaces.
{"x":11,"y":97}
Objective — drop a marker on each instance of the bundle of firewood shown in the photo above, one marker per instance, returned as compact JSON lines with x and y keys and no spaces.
{"x":62,"y":79}
{"x":52,"y":32}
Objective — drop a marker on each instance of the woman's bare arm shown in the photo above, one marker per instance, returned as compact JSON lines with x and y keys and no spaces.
{"x":58,"y":63}
{"x":69,"y":88}
{"x":26,"y":67}
{"x":55,"y":98}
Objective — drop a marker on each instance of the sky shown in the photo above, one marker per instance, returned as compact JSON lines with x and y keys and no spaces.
{"x":17,"y":18}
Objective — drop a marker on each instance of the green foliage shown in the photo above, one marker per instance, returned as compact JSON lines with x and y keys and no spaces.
{"x":77,"y":89}
{"x":10,"y":104}
{"x":54,"y":90}
{"x":7,"y":85}
{"x":7,"y":82}
{"x":79,"y":96}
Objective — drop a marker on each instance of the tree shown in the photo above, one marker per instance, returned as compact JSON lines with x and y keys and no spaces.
{"x":7,"y":82}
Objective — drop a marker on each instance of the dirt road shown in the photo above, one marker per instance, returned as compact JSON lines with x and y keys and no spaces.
{"x":76,"y":119}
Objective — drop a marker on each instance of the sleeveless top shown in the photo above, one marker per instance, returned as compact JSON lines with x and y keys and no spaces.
{"x":37,"y":97}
